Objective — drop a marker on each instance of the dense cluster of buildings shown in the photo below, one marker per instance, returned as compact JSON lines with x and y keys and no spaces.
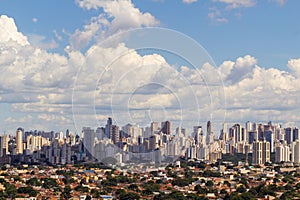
{"x":155,"y":144}
{"x":261,"y":140}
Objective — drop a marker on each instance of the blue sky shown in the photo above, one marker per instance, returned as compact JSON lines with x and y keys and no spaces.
{"x":246,"y":39}
{"x":269,"y":30}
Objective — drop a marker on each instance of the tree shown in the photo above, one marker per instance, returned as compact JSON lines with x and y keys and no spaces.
{"x":177,"y":195}
{"x":181,"y":182}
{"x":66,"y":194}
{"x":173,"y":195}
{"x":151,"y":186}
{"x":209,"y":183}
{"x":247,"y":196}
{"x":34,"y":182}
{"x":49,"y":183}
{"x":223,"y":191}
{"x":241,"y":189}
{"x":244,"y":182}
{"x":227,"y":183}
{"x":133,"y":187}
{"x":200,"y":190}
{"x":95,"y":193}
{"x":129,"y":196}
{"x":10,"y":190}
{"x":81,"y":188}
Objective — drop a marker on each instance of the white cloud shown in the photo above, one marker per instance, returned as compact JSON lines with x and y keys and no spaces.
{"x":10,"y":120}
{"x":82,"y":37}
{"x":243,"y":68}
{"x":118,"y":15}
{"x":232,"y":4}
{"x":217,"y":16}
{"x":40,"y":41}
{"x":9,"y":31}
{"x":189,"y":1}
{"x":294,"y":66}
{"x":57,"y":36}
{"x":34,"y":20}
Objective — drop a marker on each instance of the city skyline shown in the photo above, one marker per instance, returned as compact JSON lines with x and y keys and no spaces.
{"x":155,"y":144}
{"x":65,"y":71}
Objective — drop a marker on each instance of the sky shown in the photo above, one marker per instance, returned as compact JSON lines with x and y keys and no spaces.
{"x":69,"y":64}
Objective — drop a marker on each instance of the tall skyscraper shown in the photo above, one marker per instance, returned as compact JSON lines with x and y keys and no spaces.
{"x":108,"y":127}
{"x":115,"y":133}
{"x":296,"y":134}
{"x":89,"y":139}
{"x":154,"y":127}
{"x":224,"y":134}
{"x":261,"y":130}
{"x":261,"y":152}
{"x":198,"y":134}
{"x":3,"y":145}
{"x":166,"y":127}
{"x":210,"y":134}
{"x":252,"y":136}
{"x":269,"y":135}
{"x":19,"y":141}
{"x":248,"y":126}
{"x":288,"y":135}
{"x":237,"y":131}
{"x":296,"y":151}
{"x":181,"y":131}
{"x":282,"y":152}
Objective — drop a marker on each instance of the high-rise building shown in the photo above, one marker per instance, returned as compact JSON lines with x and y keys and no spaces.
{"x":288,"y":135}
{"x":153,"y":142}
{"x":154,"y":127}
{"x":34,"y":143}
{"x":108,"y":127}
{"x":296,"y":134}
{"x":282,"y":152}
{"x":127,"y":130}
{"x":252,"y":136}
{"x":115,"y":133}
{"x":210,"y":133}
{"x":260,"y":152}
{"x":166,"y":127}
{"x":269,"y":135}
{"x":224,"y":134}
{"x":19,"y":141}
{"x":237,"y":131}
{"x":260,"y":131}
{"x":296,"y":151}
{"x":249,"y":126}
{"x":181,"y":131}
{"x":3,"y":145}
{"x":198,"y":134}
{"x":89,"y":139}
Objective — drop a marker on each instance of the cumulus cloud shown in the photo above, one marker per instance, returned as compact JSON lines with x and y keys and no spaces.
{"x":117,"y":16}
{"x":9,"y":31}
{"x":242,"y":69}
{"x":294,"y":66}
